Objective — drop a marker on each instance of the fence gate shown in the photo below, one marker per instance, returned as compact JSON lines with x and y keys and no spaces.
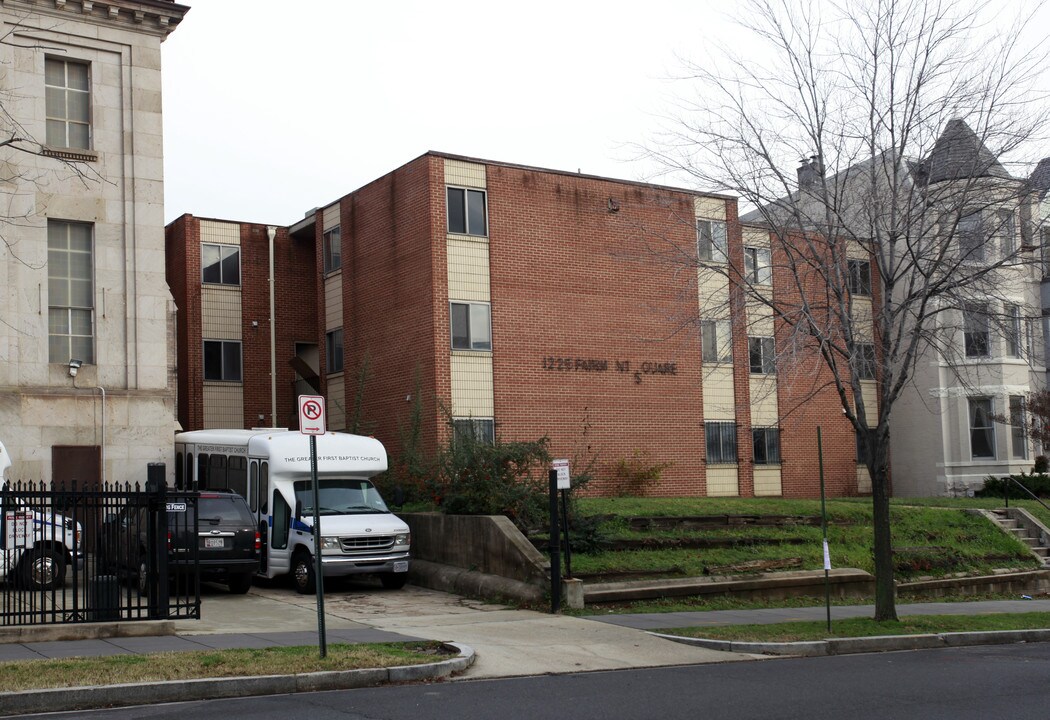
{"x":90,"y":553}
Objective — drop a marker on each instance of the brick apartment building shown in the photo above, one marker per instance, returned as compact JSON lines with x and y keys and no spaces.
{"x":522,"y":303}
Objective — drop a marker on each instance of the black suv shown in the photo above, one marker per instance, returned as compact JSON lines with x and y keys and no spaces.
{"x":227,"y":542}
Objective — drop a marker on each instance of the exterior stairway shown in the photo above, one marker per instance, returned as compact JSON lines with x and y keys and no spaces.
{"x":1022,"y":525}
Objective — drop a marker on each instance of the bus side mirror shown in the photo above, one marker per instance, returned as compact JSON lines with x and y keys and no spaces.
{"x":298,"y":510}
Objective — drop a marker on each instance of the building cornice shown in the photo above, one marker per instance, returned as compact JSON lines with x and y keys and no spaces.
{"x":157,"y":17}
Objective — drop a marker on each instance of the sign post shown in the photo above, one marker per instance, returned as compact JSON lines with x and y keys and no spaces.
{"x":564,"y":484}
{"x":312,"y":423}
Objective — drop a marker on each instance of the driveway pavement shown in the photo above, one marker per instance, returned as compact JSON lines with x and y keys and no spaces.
{"x":508,"y":642}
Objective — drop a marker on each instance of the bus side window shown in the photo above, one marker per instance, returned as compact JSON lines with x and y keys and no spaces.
{"x":178,"y":470}
{"x":264,"y":487}
{"x":202,"y":472}
{"x":190,"y":482}
{"x":217,"y":479}
{"x":237,"y":476}
{"x":253,"y":485}
{"x":282,"y":518}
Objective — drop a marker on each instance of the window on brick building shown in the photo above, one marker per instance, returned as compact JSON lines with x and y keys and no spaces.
{"x":67,"y":101}
{"x":760,"y":355}
{"x":222,"y":360}
{"x":864,"y":360}
{"x":466,"y":211}
{"x":711,"y":241}
{"x":333,"y":250}
{"x":220,"y":264}
{"x":482,"y":430}
{"x":471,"y":326}
{"x":859,"y":277}
{"x":756,"y":266}
{"x":716,"y":341}
{"x":765,"y":443}
{"x":720,"y":441}
{"x":70,"y":292}
{"x":333,"y":350}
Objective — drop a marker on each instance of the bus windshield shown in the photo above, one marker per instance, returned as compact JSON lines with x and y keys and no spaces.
{"x":340,"y":496}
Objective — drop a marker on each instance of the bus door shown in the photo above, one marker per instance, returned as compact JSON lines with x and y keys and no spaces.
{"x":279,"y":561}
{"x":257,"y":489}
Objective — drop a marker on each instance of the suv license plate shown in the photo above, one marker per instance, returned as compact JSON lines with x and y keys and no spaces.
{"x":401,"y":566}
{"x":213,"y":542}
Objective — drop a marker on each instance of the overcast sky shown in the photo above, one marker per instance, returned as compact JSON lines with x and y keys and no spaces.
{"x":273,"y":108}
{"x":270,"y":111}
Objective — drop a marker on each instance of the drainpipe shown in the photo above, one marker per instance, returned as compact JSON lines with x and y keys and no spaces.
{"x":103,"y":391}
{"x":271,"y":232}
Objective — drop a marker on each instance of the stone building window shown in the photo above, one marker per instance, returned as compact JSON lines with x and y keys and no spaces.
{"x":67,"y":100}
{"x":70,"y":292}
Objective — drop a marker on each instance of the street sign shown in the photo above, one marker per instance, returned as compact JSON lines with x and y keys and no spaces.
{"x":311,"y":415}
{"x":562,"y":468}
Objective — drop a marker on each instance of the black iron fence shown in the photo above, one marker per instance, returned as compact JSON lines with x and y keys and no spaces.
{"x":81,"y":554}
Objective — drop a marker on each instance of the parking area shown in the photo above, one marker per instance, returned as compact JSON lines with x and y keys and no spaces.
{"x":348,"y":603}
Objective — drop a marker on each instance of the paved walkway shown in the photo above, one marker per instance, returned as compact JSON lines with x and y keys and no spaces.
{"x":508,"y":642}
{"x":656,"y":621}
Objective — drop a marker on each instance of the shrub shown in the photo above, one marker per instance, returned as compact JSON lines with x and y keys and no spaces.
{"x":1038,"y":484}
{"x":1042,"y":464}
{"x":636,"y":474}
{"x":478,"y":478}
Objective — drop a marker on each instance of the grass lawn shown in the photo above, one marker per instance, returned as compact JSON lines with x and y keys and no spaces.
{"x":933,"y":538}
{"x":703,"y":603}
{"x":116,"y":669}
{"x":866,"y":627}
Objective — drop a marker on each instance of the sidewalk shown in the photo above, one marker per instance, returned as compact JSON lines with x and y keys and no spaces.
{"x":494,"y":640}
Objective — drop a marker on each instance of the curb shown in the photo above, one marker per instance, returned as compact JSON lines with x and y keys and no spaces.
{"x":104,"y":696}
{"x":878,"y":643}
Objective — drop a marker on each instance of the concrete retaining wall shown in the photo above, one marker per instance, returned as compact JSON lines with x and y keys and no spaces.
{"x":479,"y":555}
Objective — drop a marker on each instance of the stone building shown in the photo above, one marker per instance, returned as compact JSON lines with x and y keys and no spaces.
{"x":87,"y":382}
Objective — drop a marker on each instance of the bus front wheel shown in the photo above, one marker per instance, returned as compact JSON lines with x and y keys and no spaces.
{"x":303,"y":573}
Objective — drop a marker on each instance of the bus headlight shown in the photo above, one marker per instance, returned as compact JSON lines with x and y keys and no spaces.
{"x":403,"y":539}
{"x":330,"y":543}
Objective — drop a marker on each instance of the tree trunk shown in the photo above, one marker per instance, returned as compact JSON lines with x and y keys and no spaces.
{"x":885,"y":588}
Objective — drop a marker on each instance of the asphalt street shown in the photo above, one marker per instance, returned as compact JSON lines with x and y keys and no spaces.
{"x":976,"y":683}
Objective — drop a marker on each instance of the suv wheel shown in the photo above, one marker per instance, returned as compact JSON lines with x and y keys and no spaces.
{"x":44,"y":569}
{"x":303,"y":573}
{"x":240,"y":583}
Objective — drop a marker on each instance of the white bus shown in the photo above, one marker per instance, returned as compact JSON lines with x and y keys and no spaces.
{"x":270,"y":467}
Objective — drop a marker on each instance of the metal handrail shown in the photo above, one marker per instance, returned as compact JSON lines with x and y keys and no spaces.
{"x":1015,"y":481}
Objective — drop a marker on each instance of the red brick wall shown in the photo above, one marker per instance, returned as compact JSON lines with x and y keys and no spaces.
{"x":295,"y":290}
{"x":573,"y":281}
{"x":296,"y":318}
{"x":808,"y":399}
{"x":391,"y":263}
{"x":183,"y":272}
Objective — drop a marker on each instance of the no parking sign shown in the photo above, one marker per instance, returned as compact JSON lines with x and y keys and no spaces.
{"x":311,"y":415}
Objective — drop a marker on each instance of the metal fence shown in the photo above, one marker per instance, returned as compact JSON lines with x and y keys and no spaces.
{"x":74,"y":555}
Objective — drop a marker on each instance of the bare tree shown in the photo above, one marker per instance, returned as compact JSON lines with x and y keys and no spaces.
{"x":902,"y":238}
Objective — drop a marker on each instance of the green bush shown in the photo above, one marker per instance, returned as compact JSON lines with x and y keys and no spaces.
{"x":1038,"y":484}
{"x":479,"y":478}
{"x":636,"y":474}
